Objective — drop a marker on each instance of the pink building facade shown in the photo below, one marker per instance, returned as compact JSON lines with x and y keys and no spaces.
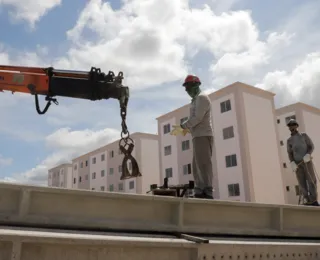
{"x":60,"y":176}
{"x":100,"y":170}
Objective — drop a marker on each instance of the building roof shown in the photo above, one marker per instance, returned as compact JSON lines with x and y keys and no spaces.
{"x":295,"y":106}
{"x":225,"y":91}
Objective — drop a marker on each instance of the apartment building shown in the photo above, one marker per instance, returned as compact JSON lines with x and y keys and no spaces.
{"x":101,"y":169}
{"x":246,"y":156}
{"x":308,"y":118}
{"x":61,"y":176}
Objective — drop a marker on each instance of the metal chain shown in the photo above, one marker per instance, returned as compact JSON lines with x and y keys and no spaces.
{"x":125,"y":135}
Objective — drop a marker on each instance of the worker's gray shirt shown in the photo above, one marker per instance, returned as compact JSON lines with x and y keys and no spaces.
{"x":200,"y":119}
{"x":298,"y":145}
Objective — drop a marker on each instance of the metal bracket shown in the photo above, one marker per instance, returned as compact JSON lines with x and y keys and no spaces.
{"x":171,"y":190}
{"x":195,"y":239}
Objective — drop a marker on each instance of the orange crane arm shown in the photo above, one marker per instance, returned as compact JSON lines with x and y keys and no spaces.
{"x":91,"y":85}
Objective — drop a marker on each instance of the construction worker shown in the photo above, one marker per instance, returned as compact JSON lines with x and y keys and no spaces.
{"x":300,"y":148}
{"x":199,"y":124}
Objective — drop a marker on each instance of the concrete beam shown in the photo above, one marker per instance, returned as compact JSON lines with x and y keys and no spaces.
{"x":38,"y":206}
{"x":64,"y":245}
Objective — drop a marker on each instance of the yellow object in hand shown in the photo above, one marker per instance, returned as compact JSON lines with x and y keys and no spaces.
{"x":179,"y":130}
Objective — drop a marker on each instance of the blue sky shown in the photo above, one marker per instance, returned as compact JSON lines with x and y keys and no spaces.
{"x":155,"y":44}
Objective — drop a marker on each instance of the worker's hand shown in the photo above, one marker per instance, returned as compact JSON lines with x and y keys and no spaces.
{"x":307,"y":158}
{"x":294,"y":166}
{"x":185,"y":131}
{"x":177,"y":129}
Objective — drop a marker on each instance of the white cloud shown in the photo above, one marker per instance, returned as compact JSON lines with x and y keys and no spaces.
{"x":64,"y":145}
{"x":153,"y":41}
{"x":29,"y":10}
{"x":5,"y":161}
{"x":300,"y":84}
{"x":234,"y":65}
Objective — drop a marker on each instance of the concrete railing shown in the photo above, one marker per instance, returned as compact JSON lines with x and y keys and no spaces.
{"x":40,"y":206}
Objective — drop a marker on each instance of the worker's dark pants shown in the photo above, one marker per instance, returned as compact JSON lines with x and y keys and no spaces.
{"x":307,"y":181}
{"x":202,"y":165}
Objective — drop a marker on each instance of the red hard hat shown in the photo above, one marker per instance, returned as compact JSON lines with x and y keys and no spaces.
{"x":191,"y":79}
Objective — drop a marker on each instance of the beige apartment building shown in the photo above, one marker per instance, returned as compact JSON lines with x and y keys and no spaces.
{"x":61,"y":176}
{"x":101,"y":170}
{"x":247,"y":162}
{"x":308,"y":118}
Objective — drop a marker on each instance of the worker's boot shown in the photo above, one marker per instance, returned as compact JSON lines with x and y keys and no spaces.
{"x":314,"y":203}
{"x":199,"y":196}
{"x":209,"y":197}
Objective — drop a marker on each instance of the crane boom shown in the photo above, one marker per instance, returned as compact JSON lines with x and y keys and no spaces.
{"x":91,"y":85}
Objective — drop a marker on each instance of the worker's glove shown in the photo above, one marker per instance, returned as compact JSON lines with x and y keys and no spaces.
{"x":307,"y":158}
{"x":294,"y":166}
{"x":177,"y":129}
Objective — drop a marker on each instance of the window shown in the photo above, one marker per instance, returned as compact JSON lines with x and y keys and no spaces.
{"x":225,"y":106}
{"x":228,"y":132}
{"x":94,"y":175}
{"x":102,"y":173}
{"x":81,"y":165}
{"x":167,"y":150}
{"x":287,"y":188}
{"x":297,"y":190}
{"x":131,"y":185}
{"x":168,"y":172}
{"x":103,"y":157}
{"x":61,"y":184}
{"x":120,"y":168}
{"x":75,"y":167}
{"x":111,"y":187}
{"x":79,"y":179}
{"x":111,"y":154}
{"x":290,"y":117}
{"x":111,"y":171}
{"x":86,"y":163}
{"x":120,"y":186}
{"x":284,"y":165}
{"x":93,"y":189}
{"x":281,"y":143}
{"x":166,"y":128}
{"x":94,"y":160}
{"x":102,"y":188}
{"x":182,"y":120}
{"x":74,"y":180}
{"x":231,"y":160}
{"x":86,"y":177}
{"x":185,"y":145}
{"x":278,"y":121}
{"x":187,"y":169}
{"x":234,"y":190}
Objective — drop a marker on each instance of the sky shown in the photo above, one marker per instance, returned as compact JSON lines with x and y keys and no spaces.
{"x":273,"y":45}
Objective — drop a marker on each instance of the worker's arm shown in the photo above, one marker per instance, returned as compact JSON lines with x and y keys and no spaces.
{"x":310,"y":145}
{"x":289,"y":150}
{"x":201,"y":108}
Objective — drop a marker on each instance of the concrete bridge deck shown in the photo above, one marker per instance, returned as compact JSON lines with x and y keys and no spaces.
{"x":41,"y":208}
